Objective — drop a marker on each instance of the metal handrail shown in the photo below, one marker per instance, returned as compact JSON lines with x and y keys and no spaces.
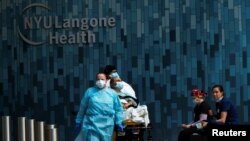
{"x":29,"y":130}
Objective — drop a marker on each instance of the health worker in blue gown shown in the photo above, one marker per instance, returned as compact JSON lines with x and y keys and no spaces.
{"x":100,"y":110}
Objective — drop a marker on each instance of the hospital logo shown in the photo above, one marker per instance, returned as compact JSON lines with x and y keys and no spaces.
{"x":38,"y":25}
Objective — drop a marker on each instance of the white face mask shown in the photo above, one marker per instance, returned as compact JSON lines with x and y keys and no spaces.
{"x":218,"y":100}
{"x":195,"y":101}
{"x":119,"y":85}
{"x":100,"y":83}
{"x":198,"y":100}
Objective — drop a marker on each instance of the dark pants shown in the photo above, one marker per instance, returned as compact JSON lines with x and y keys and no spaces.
{"x":186,"y":134}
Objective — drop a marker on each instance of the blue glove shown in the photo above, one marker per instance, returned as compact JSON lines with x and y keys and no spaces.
{"x":78,"y":127}
{"x":120,"y":128}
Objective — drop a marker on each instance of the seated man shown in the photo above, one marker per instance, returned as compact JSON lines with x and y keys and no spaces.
{"x":117,"y":84}
{"x":133,"y":111}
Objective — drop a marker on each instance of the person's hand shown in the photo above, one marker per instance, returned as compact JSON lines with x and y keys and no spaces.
{"x":120,"y":127}
{"x":126,"y":105}
{"x":185,"y":125}
{"x":78,"y":127}
{"x":204,"y":123}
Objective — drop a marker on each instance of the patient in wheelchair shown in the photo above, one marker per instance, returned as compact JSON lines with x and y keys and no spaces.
{"x":133,"y":111}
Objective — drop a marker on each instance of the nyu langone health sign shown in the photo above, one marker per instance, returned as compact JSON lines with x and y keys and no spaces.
{"x":58,"y":30}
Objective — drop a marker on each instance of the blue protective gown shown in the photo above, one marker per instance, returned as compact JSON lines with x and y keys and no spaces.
{"x":99,"y":110}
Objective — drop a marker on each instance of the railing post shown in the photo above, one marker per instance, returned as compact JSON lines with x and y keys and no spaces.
{"x":40,"y":131}
{"x":21,"y":129}
{"x":51,"y":133}
{"x":30,"y":130}
{"x":6,"y":128}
